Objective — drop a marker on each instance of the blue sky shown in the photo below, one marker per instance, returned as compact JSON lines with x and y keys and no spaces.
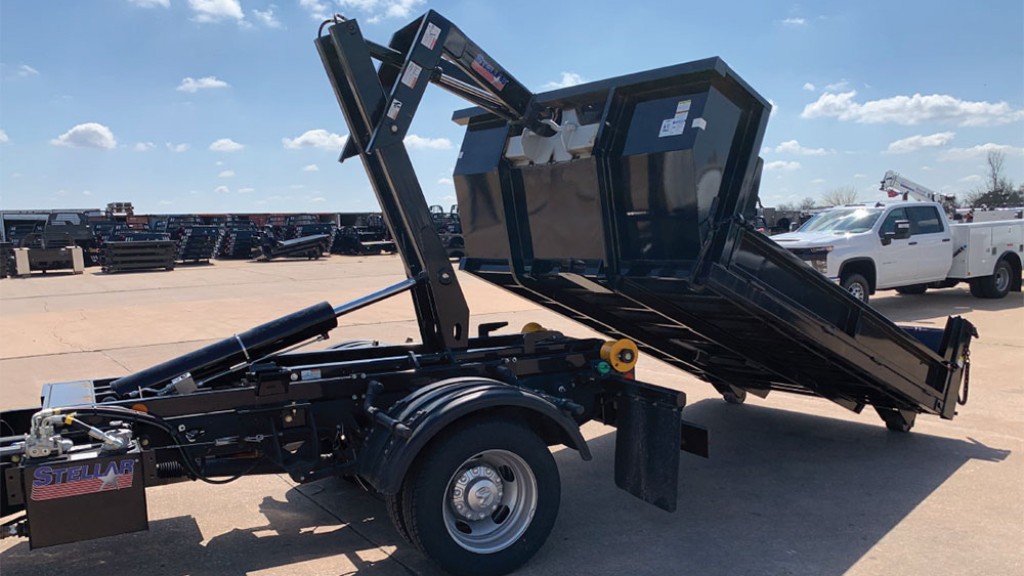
{"x":223,"y":106}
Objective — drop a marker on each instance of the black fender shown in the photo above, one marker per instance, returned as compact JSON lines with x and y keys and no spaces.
{"x":386,"y":456}
{"x":857,"y":262}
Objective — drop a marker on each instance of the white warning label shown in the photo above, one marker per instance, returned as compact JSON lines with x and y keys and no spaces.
{"x":430,"y":36}
{"x":411,"y":74}
{"x":394,"y":109}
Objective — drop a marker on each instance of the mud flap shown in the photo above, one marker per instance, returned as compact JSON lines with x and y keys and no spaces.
{"x":647,"y":448}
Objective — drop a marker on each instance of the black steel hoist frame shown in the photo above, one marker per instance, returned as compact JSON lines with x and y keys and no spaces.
{"x":379,"y":106}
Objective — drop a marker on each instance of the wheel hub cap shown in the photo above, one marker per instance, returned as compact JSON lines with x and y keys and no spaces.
{"x":477,"y":492}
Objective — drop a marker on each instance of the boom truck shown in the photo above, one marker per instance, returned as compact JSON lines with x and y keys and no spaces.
{"x":910,"y":245}
{"x":618,"y":203}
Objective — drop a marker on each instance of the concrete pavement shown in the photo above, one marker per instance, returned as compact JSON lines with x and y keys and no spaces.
{"x":795,"y":485}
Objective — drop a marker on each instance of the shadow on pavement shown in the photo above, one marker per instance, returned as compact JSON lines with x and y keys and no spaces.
{"x":783,"y":493}
{"x":941,"y":302}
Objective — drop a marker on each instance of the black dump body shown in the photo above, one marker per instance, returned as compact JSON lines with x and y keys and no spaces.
{"x":635,"y":224}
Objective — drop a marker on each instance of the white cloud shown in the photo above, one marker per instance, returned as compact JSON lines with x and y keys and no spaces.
{"x":3,"y":137}
{"x":88,"y":135}
{"x":216,"y":10}
{"x":317,"y":199}
{"x":318,"y":10}
{"x":917,"y":142}
{"x":226,"y":174}
{"x":446,"y":181}
{"x":971,"y":178}
{"x":420,"y":143}
{"x":143,"y":146}
{"x":909,"y":110}
{"x":25,"y":71}
{"x":568,"y":79}
{"x":176,"y":147}
{"x":151,"y":3}
{"x":980,"y":151}
{"x":165,"y":202}
{"x":266,"y":17}
{"x":222,"y":190}
{"x":226,"y":145}
{"x":859,"y":175}
{"x":311,"y":168}
{"x":318,"y":138}
{"x":837,"y":86}
{"x":795,"y":22}
{"x":818,"y":181}
{"x":378,"y":9}
{"x":86,"y":193}
{"x":192,"y":85}
{"x":794,"y":147}
{"x":782,"y":165}
{"x":246,"y":190}
{"x":809,"y":87}
{"x":775,"y":107}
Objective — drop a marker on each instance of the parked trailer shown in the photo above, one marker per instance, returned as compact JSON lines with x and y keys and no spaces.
{"x":454,"y":432}
{"x":310,"y":247}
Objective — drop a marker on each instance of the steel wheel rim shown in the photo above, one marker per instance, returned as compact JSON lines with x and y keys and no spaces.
{"x":506,"y":518}
{"x":1002,"y":279}
{"x":857,"y":290}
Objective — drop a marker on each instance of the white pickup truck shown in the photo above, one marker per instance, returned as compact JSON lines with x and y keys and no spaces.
{"x":909,"y":246}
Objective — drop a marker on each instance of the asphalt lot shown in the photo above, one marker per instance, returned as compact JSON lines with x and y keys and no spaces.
{"x":794,"y":486}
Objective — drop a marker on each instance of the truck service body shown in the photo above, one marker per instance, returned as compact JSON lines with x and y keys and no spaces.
{"x":909,"y":246}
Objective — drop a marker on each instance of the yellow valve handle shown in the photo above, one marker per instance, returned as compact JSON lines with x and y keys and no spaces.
{"x":531,"y":327}
{"x":621,"y":354}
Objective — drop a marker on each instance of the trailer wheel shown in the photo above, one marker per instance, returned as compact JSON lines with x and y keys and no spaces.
{"x":913,"y":289}
{"x":482,"y":498}
{"x":738,"y":397}
{"x":995,"y":286}
{"x":857,"y":286}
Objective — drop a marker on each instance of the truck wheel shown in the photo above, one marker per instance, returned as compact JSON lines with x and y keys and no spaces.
{"x":482,"y":498}
{"x":858,"y":286}
{"x":995,"y":286}
{"x":913,"y":289}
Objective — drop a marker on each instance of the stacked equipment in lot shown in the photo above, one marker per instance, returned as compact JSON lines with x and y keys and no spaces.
{"x":239,"y":242}
{"x":132,"y":251}
{"x":6,"y":259}
{"x":198,"y":243}
{"x":45,"y":251}
{"x":362,"y":234}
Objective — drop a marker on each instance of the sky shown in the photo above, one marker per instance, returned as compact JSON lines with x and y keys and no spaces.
{"x":183,"y":106}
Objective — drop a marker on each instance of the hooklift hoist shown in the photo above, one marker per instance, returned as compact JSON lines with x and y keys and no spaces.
{"x":618,"y":203}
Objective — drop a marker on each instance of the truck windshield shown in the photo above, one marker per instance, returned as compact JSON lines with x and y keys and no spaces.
{"x":843,"y":220}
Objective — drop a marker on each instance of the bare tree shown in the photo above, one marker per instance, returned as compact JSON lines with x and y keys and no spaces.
{"x":998,"y":189}
{"x":840,"y":196}
{"x":997,"y":182}
{"x":808,"y":203}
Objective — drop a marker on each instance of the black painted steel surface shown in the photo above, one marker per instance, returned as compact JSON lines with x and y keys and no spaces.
{"x":645,"y":237}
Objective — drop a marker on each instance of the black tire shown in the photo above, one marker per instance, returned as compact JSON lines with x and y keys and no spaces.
{"x":738,"y":397}
{"x":995,"y":286}
{"x":858,"y":287}
{"x":429,"y":516}
{"x":394,"y":506}
{"x":913,"y":289}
